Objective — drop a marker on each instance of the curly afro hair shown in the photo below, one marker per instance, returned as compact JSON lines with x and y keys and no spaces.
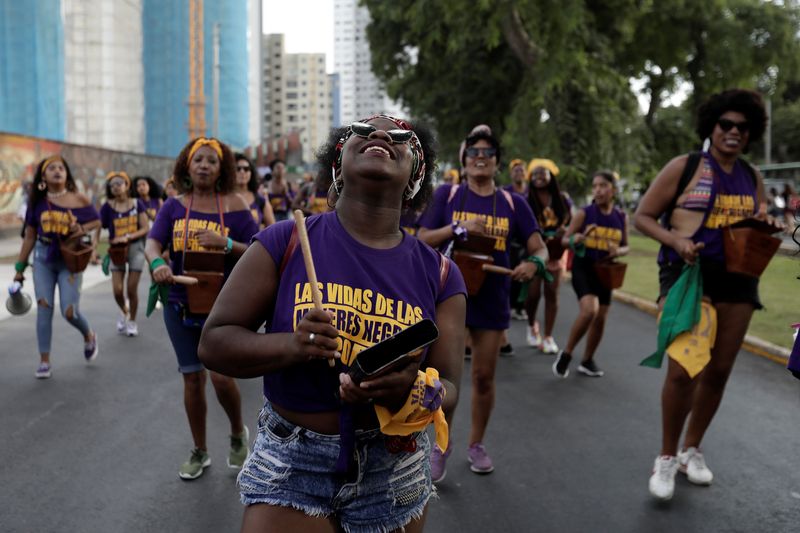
{"x":749,"y":103}
{"x":327,"y":154}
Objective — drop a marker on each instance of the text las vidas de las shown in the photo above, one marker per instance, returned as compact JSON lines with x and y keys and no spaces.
{"x":362,"y":316}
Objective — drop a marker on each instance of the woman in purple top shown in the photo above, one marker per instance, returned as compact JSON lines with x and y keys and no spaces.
{"x":207,"y":216}
{"x":477,"y":206}
{"x":723,"y":189}
{"x":125,"y":218}
{"x":553,"y":213}
{"x":319,"y":462}
{"x":278,"y":190}
{"x":57,"y":211}
{"x":247,"y":186}
{"x":147,"y":190}
{"x":601,"y":230}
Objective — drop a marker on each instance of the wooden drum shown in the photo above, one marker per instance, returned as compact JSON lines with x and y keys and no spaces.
{"x":471,"y":266}
{"x":611,"y":273}
{"x":118,"y":254}
{"x":749,"y":247}
{"x":208,"y":268}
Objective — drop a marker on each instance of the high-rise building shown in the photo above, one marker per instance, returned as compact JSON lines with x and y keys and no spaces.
{"x":254,"y":80}
{"x":103,"y":75}
{"x":360,"y":92}
{"x":297,"y":96}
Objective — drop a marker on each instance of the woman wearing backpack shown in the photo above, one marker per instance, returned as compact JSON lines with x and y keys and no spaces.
{"x":720,"y":190}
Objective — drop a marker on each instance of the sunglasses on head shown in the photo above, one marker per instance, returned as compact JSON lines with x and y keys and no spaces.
{"x":727,"y":125}
{"x":398,"y":136}
{"x":243,"y":169}
{"x":486,"y":152}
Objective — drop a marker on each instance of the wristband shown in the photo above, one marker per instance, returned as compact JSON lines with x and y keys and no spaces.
{"x":228,"y":246}
{"x":579,"y":249}
{"x":157,"y":262}
{"x":20,"y":266}
{"x":541,"y":269}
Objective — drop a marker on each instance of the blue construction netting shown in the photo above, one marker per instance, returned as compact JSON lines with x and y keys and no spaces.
{"x":165,"y":32}
{"x":32,"y":68}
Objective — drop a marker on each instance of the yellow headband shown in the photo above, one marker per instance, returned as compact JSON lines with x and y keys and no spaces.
{"x":49,"y":160}
{"x":120,"y":174}
{"x":544,"y":163}
{"x":202,"y":141}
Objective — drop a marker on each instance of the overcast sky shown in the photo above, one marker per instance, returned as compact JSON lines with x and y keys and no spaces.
{"x":306,"y":24}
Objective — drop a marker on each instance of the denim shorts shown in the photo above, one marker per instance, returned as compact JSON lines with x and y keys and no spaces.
{"x":185,"y":339}
{"x":294,"y":467}
{"x":135,"y":262}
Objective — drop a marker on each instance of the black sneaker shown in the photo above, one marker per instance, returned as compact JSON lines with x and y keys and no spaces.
{"x":467,"y":353}
{"x":590,"y":369}
{"x":561,"y":366}
{"x":507,"y":350}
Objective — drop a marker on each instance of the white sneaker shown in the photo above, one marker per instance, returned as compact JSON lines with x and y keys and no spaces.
{"x":549,"y":345}
{"x":662,"y":482}
{"x":131,"y":329}
{"x":122,"y":323}
{"x":518,"y":315}
{"x":534,"y":340}
{"x":692,"y":463}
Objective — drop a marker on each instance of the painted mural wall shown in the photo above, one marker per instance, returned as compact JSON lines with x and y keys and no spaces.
{"x":20,"y":154}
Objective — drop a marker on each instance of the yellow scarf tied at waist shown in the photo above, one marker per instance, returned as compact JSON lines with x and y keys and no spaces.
{"x":423,"y":406}
{"x":692,"y":349}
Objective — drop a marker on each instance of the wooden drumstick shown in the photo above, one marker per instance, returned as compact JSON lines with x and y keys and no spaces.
{"x":497,"y":269}
{"x":185,"y":280}
{"x":305,"y":246}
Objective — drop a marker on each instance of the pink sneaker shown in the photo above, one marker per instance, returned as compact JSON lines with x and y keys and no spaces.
{"x":480,"y":461}
{"x":439,"y":463}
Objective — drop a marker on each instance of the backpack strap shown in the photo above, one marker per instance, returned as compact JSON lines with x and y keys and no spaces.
{"x":453,"y":191}
{"x":290,"y":248}
{"x":692,"y":162}
{"x":444,"y":270}
{"x":509,"y":199}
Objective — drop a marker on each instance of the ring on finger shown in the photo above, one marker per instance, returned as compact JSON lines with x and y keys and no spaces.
{"x":311,"y":337}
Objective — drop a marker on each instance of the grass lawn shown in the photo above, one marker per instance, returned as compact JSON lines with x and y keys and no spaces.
{"x":778,"y":288}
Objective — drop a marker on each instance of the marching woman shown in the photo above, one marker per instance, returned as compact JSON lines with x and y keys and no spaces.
{"x":57,"y":215}
{"x":552,"y":211}
{"x":719,"y":189}
{"x":312,"y":199}
{"x":278,"y":190}
{"x":125,"y":218}
{"x":147,"y":190}
{"x":601,"y":231}
{"x":247,"y":186}
{"x":207,"y":217}
{"x":322,"y":460}
{"x":478,"y":207}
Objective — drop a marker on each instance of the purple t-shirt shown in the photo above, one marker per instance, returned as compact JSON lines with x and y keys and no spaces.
{"x":374,"y":294}
{"x":489,"y":308}
{"x":52,"y":221}
{"x":121,"y":223}
{"x":610,"y":230}
{"x":409,"y":221}
{"x":168,"y":230}
{"x":280,"y":202}
{"x":257,"y":209}
{"x":151,"y":207}
{"x":733,"y":198}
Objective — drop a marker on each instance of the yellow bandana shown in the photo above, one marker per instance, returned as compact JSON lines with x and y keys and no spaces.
{"x":692,"y":349}
{"x":544,"y":163}
{"x":51,"y":159}
{"x":416,"y":414}
{"x":202,"y":141}
{"x":121,"y":174}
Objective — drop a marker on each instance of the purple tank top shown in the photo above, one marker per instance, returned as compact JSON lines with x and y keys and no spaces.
{"x":610,"y":229}
{"x":732,"y":198}
{"x":373,"y":293}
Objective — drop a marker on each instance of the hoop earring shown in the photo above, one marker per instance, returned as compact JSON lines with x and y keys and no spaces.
{"x":42,"y":186}
{"x":333,"y":193}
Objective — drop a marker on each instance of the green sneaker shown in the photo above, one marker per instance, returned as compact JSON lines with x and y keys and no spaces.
{"x":193,"y":468}
{"x":239,"y":449}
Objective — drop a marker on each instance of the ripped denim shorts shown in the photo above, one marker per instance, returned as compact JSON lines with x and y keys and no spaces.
{"x":294,"y":467}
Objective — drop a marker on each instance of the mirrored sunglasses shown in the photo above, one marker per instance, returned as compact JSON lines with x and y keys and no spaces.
{"x":728,"y":125}
{"x":486,"y":152}
{"x":364,"y":130}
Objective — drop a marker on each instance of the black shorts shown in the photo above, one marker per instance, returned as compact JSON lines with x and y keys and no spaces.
{"x":718,"y":284}
{"x":585,"y":281}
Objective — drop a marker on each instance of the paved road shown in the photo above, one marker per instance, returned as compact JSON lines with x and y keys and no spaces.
{"x":97,"y":448}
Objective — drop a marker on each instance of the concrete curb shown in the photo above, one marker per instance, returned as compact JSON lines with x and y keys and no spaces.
{"x":752,"y":344}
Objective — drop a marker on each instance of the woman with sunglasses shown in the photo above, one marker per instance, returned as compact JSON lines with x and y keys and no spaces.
{"x":721,"y":190}
{"x":147,"y":190}
{"x":320,"y":462}
{"x":247,"y":186}
{"x":553,"y":213}
{"x":56,"y":212}
{"x":597,"y":232}
{"x":207,"y":216}
{"x":125,"y":218}
{"x":478,"y":206}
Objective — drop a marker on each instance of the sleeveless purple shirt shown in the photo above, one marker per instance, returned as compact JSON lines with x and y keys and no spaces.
{"x":610,"y":229}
